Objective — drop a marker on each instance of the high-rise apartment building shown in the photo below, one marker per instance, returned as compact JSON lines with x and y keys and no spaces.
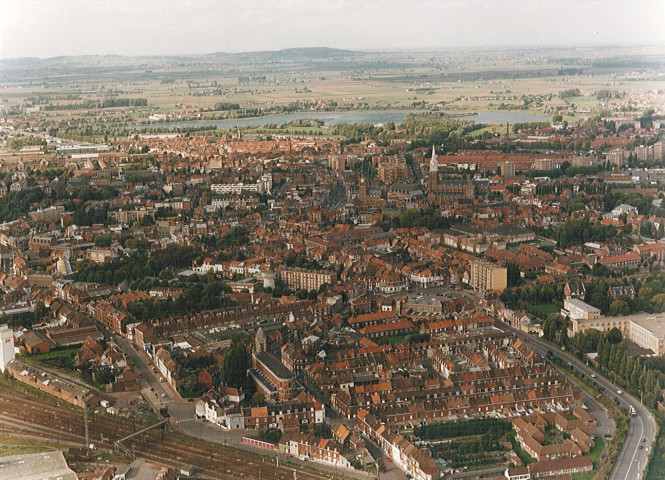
{"x":488,"y":276}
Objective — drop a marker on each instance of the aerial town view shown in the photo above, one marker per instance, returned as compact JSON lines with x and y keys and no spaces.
{"x":319,"y":240}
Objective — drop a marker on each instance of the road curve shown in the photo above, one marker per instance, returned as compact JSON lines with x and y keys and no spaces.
{"x":632,"y":460}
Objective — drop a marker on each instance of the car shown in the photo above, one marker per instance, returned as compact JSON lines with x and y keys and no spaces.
{"x":619,"y":392}
{"x":389,"y":459}
{"x":644,"y":439}
{"x":641,"y":447}
{"x":593,"y":375}
{"x":163,"y":395}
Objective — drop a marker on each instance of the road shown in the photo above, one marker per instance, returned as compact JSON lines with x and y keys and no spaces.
{"x":629,"y":465}
{"x":157,"y":394}
{"x":632,"y":459}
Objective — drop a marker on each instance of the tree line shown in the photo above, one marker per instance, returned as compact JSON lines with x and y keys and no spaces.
{"x":630,"y":372}
{"x":104,"y":103}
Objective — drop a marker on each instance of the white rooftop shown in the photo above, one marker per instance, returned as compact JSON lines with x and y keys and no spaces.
{"x":581,"y":305}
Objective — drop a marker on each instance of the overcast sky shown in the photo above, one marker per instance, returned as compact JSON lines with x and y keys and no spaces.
{"x":47,"y":28}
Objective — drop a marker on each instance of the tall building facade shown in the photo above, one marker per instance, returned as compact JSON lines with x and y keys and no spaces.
{"x":658,"y":151}
{"x":488,"y":276}
{"x":543,"y":164}
{"x":305,"y":279}
{"x":7,"y":348}
{"x":616,"y":156}
{"x":507,"y":169}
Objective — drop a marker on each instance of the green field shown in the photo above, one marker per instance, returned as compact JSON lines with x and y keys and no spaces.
{"x":60,"y":358}
{"x":548,"y":307}
{"x":265,"y":83}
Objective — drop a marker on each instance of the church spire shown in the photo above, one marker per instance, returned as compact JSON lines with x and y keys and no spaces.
{"x":434,"y":163}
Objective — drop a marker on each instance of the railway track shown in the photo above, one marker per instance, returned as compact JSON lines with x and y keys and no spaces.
{"x":215,"y":461}
{"x":22,"y":414}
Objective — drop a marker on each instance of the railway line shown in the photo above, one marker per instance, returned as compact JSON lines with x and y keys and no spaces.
{"x":22,"y":414}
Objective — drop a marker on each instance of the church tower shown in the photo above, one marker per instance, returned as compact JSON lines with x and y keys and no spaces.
{"x":362,"y":189}
{"x":433,"y":172}
{"x":261,"y":341}
{"x":268,"y":276}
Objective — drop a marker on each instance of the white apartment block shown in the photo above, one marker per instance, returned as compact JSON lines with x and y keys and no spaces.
{"x":262,"y":185}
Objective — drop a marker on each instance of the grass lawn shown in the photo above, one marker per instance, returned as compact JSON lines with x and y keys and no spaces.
{"x":548,"y":307}
{"x":595,"y":452}
{"x":584,"y":476}
{"x":16,"y":446}
{"x":61,"y":358}
{"x":392,"y":340}
{"x":656,"y":469}
{"x":524,"y":456}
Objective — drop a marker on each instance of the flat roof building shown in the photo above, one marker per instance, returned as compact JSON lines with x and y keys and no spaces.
{"x":645,"y":329}
{"x":36,"y":466}
{"x":578,"y":310}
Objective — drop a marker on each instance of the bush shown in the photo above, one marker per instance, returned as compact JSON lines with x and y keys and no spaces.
{"x":271,"y":435}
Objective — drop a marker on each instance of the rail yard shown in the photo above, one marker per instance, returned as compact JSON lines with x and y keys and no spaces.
{"x":23,"y":414}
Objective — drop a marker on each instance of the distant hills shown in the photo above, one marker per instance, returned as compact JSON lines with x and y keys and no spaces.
{"x":290,"y":54}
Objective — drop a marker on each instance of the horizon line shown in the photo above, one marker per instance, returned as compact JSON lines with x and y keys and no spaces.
{"x":423,"y":49}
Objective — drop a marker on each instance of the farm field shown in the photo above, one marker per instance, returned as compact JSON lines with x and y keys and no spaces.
{"x":70,"y":93}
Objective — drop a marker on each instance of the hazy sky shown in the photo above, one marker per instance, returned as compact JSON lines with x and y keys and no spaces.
{"x":46,"y":28}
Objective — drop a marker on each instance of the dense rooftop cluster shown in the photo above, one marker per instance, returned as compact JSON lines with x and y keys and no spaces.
{"x":275,"y":279}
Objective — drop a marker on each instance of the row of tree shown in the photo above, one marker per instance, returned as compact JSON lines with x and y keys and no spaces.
{"x":92,"y":104}
{"x":577,"y":231}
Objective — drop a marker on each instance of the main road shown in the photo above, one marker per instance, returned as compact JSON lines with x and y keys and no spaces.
{"x":634,"y":452}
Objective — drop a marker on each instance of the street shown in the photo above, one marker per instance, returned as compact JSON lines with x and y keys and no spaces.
{"x":629,"y":465}
{"x":632,"y":459}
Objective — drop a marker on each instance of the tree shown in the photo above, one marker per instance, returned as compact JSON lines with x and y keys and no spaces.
{"x":104,"y":376}
{"x":104,"y":240}
{"x":619,"y":308}
{"x":614,"y":336}
{"x":258,"y":400}
{"x":657,"y":303}
{"x":39,"y":312}
{"x":513,"y":273}
{"x":236,"y":363}
{"x":271,"y":435}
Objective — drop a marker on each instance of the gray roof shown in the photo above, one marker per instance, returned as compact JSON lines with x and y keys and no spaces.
{"x":37,"y":466}
{"x":274,"y":365}
{"x":581,"y":305}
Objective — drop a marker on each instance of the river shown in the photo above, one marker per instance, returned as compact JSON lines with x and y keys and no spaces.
{"x":333,"y":118}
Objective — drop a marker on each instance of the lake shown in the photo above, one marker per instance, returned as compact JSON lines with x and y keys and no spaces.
{"x":333,"y":118}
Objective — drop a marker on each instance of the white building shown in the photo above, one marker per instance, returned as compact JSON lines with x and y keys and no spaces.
{"x":578,"y":310}
{"x":7,"y":352}
{"x":262,"y":185}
